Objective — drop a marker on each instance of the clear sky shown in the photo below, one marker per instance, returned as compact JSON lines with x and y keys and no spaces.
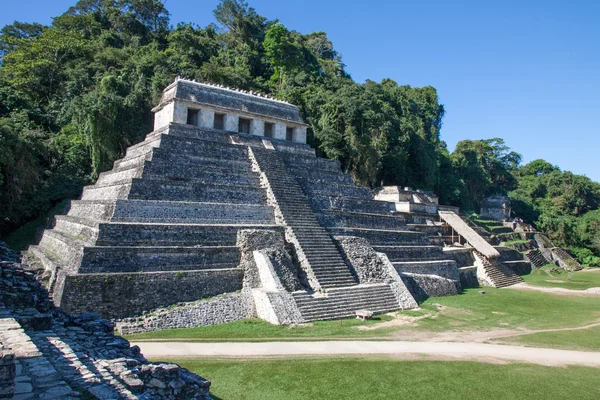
{"x":527,"y":71}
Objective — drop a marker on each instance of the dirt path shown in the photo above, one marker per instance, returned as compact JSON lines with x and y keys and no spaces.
{"x":591,"y":292}
{"x":397,"y":349}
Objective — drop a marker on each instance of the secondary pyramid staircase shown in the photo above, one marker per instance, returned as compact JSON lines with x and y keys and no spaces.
{"x":536,"y":258}
{"x":499,"y":275}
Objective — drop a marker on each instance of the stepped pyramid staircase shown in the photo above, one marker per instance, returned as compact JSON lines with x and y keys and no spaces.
{"x":536,"y":258}
{"x":318,"y":255}
{"x":323,"y":258}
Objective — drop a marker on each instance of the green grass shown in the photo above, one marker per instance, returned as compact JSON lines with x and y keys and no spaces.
{"x":579,"y":281}
{"x":378,"y":378}
{"x":26,"y":235}
{"x":259,"y":329}
{"x":498,"y":308}
{"x":508,"y":308}
{"x":584,"y":339}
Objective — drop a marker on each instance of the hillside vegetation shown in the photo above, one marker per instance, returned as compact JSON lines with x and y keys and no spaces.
{"x":74,"y":95}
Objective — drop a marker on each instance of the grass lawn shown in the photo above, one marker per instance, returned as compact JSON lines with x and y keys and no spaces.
{"x":383,"y":378}
{"x":498,"y":308}
{"x":258,"y":329}
{"x":585,"y":339}
{"x":581,"y":279}
{"x":508,"y":308}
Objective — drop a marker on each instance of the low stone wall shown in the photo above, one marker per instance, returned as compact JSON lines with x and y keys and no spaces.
{"x":7,"y":373}
{"x":443,"y":269}
{"x":519,"y":267}
{"x":463,"y":257}
{"x":219,"y":310}
{"x":128,"y":294}
{"x":468,"y":277}
{"x":425,"y":286}
{"x":340,"y":219}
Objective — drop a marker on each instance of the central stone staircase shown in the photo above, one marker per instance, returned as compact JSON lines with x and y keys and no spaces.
{"x":321,"y":254}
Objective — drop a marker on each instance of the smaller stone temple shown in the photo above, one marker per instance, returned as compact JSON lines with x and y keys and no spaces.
{"x":408,"y":200}
{"x":496,"y":207}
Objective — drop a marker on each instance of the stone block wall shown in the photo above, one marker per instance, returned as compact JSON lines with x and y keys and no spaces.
{"x":219,"y":310}
{"x":128,"y":294}
{"x":7,"y":373}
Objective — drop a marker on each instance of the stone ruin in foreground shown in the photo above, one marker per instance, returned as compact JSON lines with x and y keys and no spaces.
{"x":225,"y":201}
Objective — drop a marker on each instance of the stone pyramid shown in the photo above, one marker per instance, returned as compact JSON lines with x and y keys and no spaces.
{"x":163,"y":226}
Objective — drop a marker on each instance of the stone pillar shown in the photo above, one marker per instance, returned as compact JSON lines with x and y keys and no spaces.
{"x":280,"y":130}
{"x":299,"y":135}
{"x":180,"y":113}
{"x":232,"y":122}
{"x":207,"y":118}
{"x":257,"y":127}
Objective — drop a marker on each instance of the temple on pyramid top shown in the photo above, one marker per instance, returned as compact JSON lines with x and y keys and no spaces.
{"x":221,"y":108}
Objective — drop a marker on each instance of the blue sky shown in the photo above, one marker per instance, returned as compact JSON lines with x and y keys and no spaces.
{"x":525,"y":71}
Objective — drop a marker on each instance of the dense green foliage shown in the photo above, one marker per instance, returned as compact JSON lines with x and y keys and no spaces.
{"x":74,"y":95}
{"x":562,"y":204}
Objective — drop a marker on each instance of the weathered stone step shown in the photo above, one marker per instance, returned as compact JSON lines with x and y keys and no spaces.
{"x":157,"y":258}
{"x":300,"y":162}
{"x":348,"y":304}
{"x":132,"y":161}
{"x":162,"y":157}
{"x":47,"y":258}
{"x":410,"y":253}
{"x":144,"y":147}
{"x":108,"y":192}
{"x":191,"y":212}
{"x":382,"y":236}
{"x":157,"y":234}
{"x":202,"y":148}
{"x":519,"y":267}
{"x":99,"y":210}
{"x":344,"y":302}
{"x":444,"y":268}
{"x":311,"y":175}
{"x":341,"y":219}
{"x":319,"y":202}
{"x":171,"y":211}
{"x":508,"y":254}
{"x":82,"y":228}
{"x":331,"y":189}
{"x":65,"y":248}
{"x":225,"y":170}
{"x":120,"y":175}
{"x":148,"y":189}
